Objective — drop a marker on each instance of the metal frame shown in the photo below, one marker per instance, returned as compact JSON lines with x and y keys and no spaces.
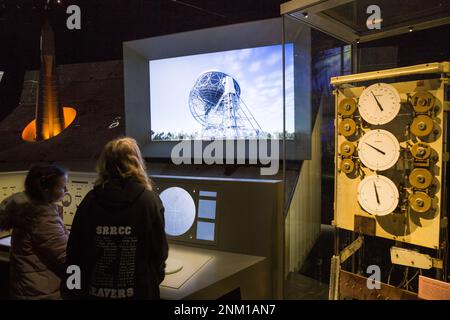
{"x":427,"y":68}
{"x":318,"y":20}
{"x":399,"y":255}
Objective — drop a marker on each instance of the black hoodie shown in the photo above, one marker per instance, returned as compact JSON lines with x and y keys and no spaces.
{"x":118,"y":242}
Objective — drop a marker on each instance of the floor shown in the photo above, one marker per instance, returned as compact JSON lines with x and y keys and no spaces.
{"x":301,"y":287}
{"x":311,"y":281}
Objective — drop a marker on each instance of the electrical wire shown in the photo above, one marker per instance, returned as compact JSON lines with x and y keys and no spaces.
{"x":198,"y":8}
{"x":405,"y":278}
{"x":389,"y":274}
{"x":409,"y":281}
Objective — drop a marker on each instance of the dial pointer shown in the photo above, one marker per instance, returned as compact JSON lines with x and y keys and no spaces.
{"x":378,"y":103}
{"x":376,"y":193}
{"x":380,"y":151}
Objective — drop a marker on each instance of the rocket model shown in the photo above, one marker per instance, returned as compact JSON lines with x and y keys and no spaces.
{"x":51,"y":118}
{"x":49,"y":112}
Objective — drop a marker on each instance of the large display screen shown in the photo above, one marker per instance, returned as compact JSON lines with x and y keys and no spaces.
{"x":236,"y":94}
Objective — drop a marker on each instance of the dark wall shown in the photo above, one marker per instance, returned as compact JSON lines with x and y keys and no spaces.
{"x":105,"y":25}
{"x":431,"y":45}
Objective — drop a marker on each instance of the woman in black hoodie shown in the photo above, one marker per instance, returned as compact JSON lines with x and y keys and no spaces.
{"x":117,"y":239}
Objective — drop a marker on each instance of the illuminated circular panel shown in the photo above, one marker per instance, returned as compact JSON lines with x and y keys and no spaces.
{"x":179,"y":210}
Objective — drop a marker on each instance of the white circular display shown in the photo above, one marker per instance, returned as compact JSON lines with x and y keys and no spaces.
{"x":379,"y":103}
{"x":377,"y":195}
{"x":173,"y":266}
{"x":179,"y":210}
{"x":378,"y":149}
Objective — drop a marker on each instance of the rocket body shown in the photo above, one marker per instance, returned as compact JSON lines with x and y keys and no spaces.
{"x":49,"y":112}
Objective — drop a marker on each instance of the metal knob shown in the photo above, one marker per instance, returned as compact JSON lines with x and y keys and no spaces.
{"x":420,"y":202}
{"x":422,"y":126}
{"x":422,"y":102}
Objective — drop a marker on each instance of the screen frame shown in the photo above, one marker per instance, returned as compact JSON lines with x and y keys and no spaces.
{"x":138,"y":53}
{"x":190,"y":236}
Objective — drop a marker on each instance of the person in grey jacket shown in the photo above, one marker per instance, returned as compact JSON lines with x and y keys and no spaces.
{"x":39,"y":236}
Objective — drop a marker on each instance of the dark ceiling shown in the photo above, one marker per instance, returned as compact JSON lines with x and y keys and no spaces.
{"x":105,"y":24}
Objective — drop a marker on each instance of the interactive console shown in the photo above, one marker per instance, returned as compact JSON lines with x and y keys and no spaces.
{"x":220,"y":232}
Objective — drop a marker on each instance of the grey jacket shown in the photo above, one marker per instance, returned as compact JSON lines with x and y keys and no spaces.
{"x":38,"y":247}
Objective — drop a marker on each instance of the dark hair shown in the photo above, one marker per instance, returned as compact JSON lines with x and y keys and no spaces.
{"x":41,"y":178}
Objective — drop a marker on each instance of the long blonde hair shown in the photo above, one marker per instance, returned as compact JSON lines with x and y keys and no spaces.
{"x":121,"y":158}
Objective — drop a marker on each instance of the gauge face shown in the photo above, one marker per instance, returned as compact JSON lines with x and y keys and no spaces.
{"x":377,"y":195}
{"x":379,"y":103}
{"x":378,"y":149}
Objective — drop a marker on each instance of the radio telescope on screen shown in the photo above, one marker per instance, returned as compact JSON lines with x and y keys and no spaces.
{"x":215,"y":102}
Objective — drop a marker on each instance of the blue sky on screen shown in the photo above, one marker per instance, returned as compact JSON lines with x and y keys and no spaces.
{"x":257,"y":70}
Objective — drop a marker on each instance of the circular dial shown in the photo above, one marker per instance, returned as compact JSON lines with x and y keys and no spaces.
{"x":377,"y":195}
{"x":67,"y":200}
{"x":379,"y":103}
{"x":378,"y":149}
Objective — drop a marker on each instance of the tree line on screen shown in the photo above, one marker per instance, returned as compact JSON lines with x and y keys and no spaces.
{"x":167,"y":136}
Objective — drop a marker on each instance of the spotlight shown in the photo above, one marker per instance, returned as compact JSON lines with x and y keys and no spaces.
{"x":305,"y":14}
{"x":357,"y":41}
{"x":411,"y":29}
{"x":59,"y":1}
